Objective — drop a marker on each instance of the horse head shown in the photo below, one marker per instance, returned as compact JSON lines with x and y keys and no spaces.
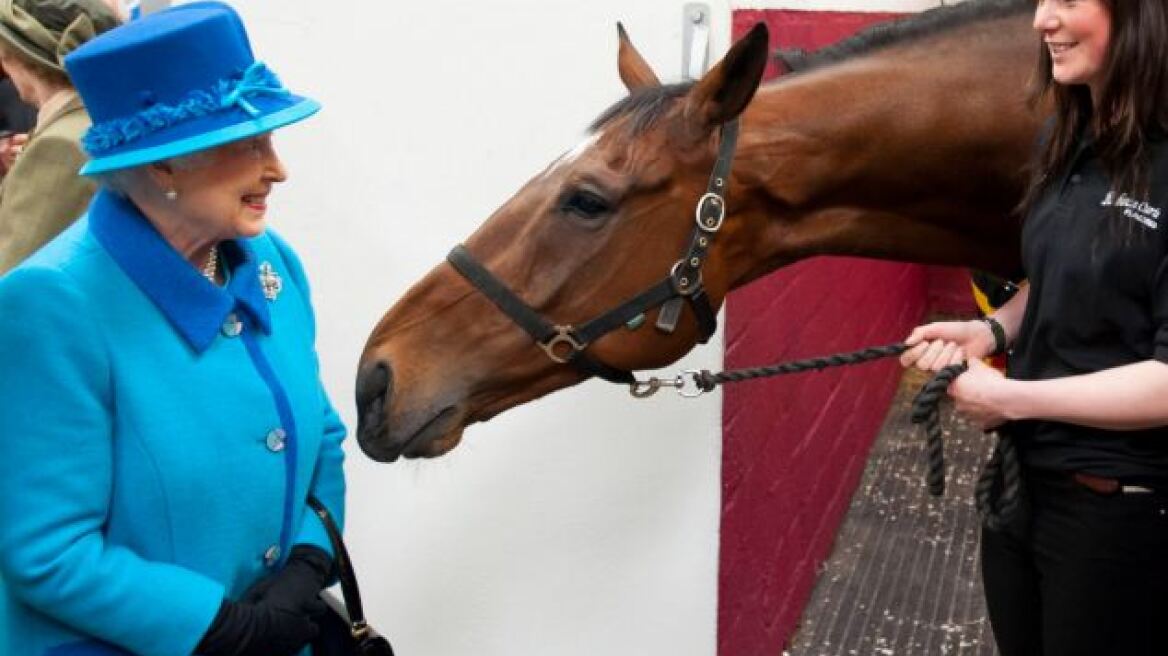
{"x":909,"y":143}
{"x":607,"y":220}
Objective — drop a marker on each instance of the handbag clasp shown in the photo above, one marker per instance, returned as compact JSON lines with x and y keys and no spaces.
{"x":360,"y":630}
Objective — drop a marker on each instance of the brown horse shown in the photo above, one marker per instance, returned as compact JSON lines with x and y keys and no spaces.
{"x":910,"y":146}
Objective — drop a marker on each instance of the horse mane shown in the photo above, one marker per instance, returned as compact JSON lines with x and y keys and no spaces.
{"x":643,"y":106}
{"x":911,"y":28}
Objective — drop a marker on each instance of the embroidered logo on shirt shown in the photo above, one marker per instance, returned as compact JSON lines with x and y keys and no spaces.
{"x":1134,"y":209}
{"x":270,"y":281}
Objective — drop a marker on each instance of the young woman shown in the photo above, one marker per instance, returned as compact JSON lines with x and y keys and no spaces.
{"x":1083,"y":568}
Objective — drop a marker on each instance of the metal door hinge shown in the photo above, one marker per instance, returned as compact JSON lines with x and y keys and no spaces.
{"x":695,"y":40}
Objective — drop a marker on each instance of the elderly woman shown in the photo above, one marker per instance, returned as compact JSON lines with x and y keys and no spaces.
{"x":162,"y":422}
{"x":42,"y":193}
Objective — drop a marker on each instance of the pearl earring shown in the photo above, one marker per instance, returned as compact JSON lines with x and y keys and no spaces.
{"x":171,"y":195}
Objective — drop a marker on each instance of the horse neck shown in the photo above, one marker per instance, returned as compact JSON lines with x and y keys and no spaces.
{"x":910,"y":156}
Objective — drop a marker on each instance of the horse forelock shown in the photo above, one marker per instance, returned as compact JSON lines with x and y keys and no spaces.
{"x":643,"y":107}
{"x":927,"y":23}
{"x":571,"y":155}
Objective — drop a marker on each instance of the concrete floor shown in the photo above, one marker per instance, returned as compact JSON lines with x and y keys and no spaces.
{"x":903,"y":579}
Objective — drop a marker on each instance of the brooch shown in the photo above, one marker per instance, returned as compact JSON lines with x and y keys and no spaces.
{"x":270,"y":281}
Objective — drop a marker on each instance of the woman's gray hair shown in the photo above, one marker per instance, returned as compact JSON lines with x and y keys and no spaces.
{"x":195,"y":160}
{"x":121,"y":181}
{"x":118,"y":182}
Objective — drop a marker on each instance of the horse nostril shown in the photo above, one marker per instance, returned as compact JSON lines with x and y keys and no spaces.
{"x":373,"y":389}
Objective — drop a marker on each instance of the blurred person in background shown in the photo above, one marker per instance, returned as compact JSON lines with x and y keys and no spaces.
{"x":17,"y":119}
{"x":42,"y":192}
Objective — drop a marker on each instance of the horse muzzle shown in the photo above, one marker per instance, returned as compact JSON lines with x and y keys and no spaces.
{"x":426,"y":432}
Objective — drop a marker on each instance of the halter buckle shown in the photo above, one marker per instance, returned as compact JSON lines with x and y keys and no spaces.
{"x":682,"y":285}
{"x":710,"y":224}
{"x":564,"y":336}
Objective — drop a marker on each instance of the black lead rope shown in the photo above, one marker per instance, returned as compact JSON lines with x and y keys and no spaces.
{"x":997,"y":494}
{"x":998,"y":490}
{"x":926,"y":411}
{"x":707,"y":381}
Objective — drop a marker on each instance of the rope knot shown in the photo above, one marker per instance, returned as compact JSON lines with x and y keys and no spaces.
{"x":705,"y":380}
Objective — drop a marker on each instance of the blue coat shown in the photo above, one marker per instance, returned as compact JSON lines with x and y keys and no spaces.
{"x":158,"y":436}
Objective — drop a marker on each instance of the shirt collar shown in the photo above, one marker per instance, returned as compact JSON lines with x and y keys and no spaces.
{"x":193,"y":306}
{"x":57,"y":104}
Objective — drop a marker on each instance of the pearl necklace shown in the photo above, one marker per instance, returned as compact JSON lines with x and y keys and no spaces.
{"x":211,"y":268}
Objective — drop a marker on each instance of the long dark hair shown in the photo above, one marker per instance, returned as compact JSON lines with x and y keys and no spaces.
{"x":1132,"y":103}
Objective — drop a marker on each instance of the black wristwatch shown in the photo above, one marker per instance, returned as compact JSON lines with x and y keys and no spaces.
{"x":999,"y":335}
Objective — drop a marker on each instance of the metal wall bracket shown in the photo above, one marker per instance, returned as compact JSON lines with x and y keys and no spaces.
{"x":695,"y":40}
{"x":139,"y":8}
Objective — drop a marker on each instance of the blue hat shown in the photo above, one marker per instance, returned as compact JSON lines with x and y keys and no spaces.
{"x":174,"y":83}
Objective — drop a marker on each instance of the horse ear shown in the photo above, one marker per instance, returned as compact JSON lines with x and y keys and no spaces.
{"x":726,"y":89}
{"x":634,"y":72}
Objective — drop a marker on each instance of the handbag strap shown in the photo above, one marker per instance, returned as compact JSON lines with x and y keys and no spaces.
{"x":352,"y":594}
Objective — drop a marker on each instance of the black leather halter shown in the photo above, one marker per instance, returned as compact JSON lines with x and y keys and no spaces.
{"x":567,"y":344}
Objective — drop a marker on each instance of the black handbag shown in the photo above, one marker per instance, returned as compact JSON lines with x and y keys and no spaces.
{"x":343,"y":630}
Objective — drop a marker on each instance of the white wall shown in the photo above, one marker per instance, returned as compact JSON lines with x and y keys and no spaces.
{"x":586,"y":523}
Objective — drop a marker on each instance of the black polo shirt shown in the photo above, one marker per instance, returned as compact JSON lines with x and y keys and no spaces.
{"x":1095,"y":302}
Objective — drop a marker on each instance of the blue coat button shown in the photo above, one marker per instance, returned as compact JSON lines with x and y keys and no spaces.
{"x":232,"y":326}
{"x":276,"y":439}
{"x":272,"y":556}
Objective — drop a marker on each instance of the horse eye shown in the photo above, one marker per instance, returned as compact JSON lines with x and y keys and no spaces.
{"x":585,"y":204}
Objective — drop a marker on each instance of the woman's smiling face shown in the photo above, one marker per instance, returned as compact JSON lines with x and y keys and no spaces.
{"x":225,"y":196}
{"x":1078,"y":35}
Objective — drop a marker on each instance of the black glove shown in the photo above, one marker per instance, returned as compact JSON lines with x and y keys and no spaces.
{"x":276,"y":615}
{"x":247,"y":629}
{"x":306,"y":573}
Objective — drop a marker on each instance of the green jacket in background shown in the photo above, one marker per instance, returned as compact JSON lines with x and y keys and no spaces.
{"x":43,"y":193}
